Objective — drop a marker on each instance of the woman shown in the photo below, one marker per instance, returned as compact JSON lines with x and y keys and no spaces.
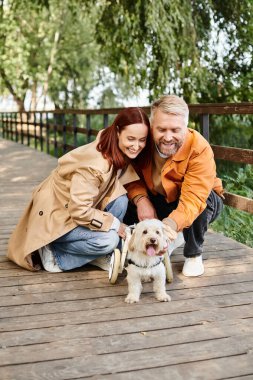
{"x":76,"y":214}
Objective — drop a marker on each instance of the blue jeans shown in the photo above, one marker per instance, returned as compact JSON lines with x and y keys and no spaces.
{"x":82,"y":245}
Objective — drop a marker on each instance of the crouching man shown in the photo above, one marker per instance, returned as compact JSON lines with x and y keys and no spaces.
{"x":179,"y":186}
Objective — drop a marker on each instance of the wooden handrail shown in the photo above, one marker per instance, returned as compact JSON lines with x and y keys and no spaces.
{"x":239,"y":155}
{"x":245,"y":108}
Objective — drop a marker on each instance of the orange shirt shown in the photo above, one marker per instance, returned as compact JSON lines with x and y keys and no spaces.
{"x":189,"y":176}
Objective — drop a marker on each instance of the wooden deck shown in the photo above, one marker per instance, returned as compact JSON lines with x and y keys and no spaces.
{"x":76,"y":325}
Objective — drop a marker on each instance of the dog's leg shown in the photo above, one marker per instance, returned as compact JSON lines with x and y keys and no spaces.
{"x":159,"y":286}
{"x":134,"y":285}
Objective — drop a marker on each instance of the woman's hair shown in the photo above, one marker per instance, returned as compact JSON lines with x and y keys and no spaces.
{"x":108,"y":143}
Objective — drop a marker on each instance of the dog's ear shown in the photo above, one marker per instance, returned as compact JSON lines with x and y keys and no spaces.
{"x":131,"y":245}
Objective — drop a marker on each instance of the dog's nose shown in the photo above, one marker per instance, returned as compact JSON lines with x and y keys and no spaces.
{"x":153,"y":241}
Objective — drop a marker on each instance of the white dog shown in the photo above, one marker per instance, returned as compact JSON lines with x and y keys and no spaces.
{"x":146,"y":249}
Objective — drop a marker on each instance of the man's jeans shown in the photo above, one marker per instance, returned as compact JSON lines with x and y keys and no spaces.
{"x":194,"y":235}
{"x":81,"y":245}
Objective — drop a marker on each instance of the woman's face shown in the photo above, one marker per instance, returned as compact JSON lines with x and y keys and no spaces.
{"x":132,"y":139}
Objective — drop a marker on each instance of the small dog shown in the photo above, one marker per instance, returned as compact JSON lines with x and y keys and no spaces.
{"x":146,"y":249}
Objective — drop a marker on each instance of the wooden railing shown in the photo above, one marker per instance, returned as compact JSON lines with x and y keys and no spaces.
{"x":59,"y":131}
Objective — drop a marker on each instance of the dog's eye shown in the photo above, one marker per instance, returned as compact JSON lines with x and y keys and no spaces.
{"x":158,"y":232}
{"x":145,"y":232}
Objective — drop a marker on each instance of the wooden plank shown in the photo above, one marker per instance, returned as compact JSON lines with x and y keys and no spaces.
{"x":89,"y":365}
{"x":222,"y":108}
{"x":222,"y":368}
{"x":181,"y":305}
{"x":233,"y":154}
{"x":52,"y":330}
{"x":239,"y":202}
{"x":206,"y":108}
{"x":119,"y":343}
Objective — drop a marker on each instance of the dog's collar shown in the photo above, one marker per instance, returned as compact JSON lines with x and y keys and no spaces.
{"x":141,"y":266}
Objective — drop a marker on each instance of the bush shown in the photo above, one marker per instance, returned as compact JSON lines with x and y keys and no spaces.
{"x":234,"y":223}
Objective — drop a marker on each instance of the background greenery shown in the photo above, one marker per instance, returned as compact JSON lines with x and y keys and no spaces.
{"x":75,"y":52}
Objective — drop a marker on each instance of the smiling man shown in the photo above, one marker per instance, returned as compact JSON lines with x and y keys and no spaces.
{"x":179,"y":186}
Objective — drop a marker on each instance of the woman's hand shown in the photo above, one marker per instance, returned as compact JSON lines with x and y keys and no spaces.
{"x":145,"y":209}
{"x":122,"y":231}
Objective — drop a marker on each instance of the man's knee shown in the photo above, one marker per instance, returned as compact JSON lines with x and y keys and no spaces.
{"x":214,"y":206}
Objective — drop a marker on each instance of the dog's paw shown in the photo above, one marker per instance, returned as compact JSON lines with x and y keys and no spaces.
{"x":163,"y":297}
{"x":131,"y":298}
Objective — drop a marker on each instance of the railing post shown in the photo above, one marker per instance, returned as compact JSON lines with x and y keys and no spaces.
{"x":3,"y":124}
{"x":7,"y":126}
{"x":11,"y":126}
{"x":28,"y":128}
{"x":105,"y":120}
{"x":55,"y":137}
{"x":64,"y":137}
{"x":47,"y":133}
{"x":41,"y":132}
{"x":75,"y":129}
{"x":16,"y":127}
{"x":35,"y":130}
{"x":21,"y":126}
{"x":88,"y":129}
{"x":204,"y":125}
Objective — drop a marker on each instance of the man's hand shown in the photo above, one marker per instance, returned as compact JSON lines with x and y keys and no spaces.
{"x":122,"y":231}
{"x":145,"y":209}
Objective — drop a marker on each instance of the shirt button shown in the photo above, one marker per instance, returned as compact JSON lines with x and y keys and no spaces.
{"x":41,"y":213}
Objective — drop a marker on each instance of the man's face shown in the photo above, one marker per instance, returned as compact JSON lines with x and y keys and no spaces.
{"x":168,"y":132}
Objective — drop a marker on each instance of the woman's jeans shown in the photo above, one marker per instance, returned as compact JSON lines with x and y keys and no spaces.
{"x":81,"y":245}
{"x":194,"y":235}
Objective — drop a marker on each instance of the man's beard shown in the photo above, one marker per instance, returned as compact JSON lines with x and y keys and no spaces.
{"x":169,"y":151}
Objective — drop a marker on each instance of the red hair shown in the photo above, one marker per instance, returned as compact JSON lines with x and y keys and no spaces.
{"x":108,"y":143}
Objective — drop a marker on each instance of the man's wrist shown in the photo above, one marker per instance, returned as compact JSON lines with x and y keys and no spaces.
{"x":171,"y":223}
{"x":138,"y":198}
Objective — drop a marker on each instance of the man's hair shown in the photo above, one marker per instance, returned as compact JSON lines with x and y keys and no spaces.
{"x":171,"y":104}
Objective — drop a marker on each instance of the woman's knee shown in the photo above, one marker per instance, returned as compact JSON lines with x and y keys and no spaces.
{"x":108,"y":242}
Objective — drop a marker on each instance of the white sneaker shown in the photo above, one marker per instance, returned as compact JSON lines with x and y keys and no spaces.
{"x":193,"y":266}
{"x":48,"y":260}
{"x":176,"y":243}
{"x":102,"y":262}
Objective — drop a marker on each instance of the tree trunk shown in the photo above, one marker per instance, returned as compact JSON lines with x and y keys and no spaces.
{"x":17,"y":99}
{"x":33,"y":104}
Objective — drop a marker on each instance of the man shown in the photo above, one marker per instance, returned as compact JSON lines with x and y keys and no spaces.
{"x":180,"y":186}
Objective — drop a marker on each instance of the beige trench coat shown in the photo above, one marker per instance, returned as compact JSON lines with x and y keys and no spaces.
{"x":76,"y":193}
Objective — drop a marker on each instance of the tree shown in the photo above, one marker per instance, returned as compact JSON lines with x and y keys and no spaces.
{"x":171,"y":46}
{"x":50,"y":47}
{"x":200,"y":49}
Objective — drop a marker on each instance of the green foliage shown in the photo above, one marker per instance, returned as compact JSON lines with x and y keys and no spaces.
{"x":51,"y":46}
{"x":237,"y":225}
{"x":234,"y":223}
{"x":198,"y":49}
{"x":232,"y":130}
